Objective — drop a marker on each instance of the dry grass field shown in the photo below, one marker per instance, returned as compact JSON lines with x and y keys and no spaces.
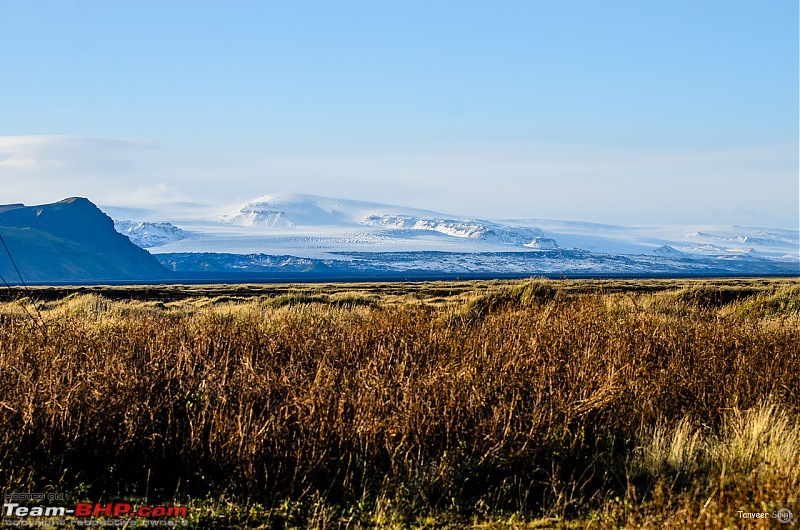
{"x":519,"y":404}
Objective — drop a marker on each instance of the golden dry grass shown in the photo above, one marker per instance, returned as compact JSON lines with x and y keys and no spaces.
{"x":638,"y":403}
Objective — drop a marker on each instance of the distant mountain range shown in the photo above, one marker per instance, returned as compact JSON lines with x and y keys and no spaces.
{"x":311,"y":226}
{"x":311,"y":234}
{"x":306,"y":237}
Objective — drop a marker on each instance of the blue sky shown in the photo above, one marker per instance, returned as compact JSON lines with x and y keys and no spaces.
{"x":633,"y":112}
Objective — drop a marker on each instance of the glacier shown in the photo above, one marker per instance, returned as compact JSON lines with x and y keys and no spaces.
{"x":296,"y":233}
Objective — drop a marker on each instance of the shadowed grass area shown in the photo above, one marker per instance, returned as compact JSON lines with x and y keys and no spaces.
{"x":639,"y":403}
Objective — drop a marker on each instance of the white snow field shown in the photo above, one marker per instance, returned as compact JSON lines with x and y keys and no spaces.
{"x":309,"y":226}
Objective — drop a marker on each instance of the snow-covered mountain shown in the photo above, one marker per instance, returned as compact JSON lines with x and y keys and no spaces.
{"x":341,"y":234}
{"x":324,"y":224}
{"x":146,"y":235}
{"x":310,"y":212}
{"x":297,"y":210}
{"x":473,"y":229}
{"x":706,"y":240}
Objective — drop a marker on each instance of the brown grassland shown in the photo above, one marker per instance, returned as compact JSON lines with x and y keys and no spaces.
{"x":519,"y":404}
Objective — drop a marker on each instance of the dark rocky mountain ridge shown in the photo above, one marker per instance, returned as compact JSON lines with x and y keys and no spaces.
{"x":70,"y":241}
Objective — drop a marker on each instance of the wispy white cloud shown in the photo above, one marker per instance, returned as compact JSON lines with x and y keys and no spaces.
{"x":69,"y":153}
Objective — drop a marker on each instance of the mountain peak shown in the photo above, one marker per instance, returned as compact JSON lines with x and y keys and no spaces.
{"x":78,"y":200}
{"x":72,"y":240}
